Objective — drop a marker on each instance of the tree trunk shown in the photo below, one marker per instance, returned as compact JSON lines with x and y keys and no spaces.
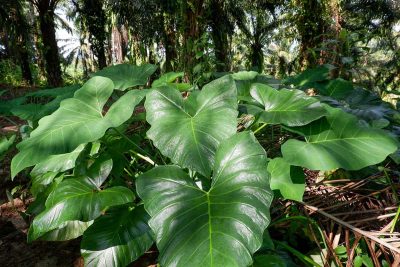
{"x":311,"y":25}
{"x":336,"y":29}
{"x":257,"y":56}
{"x":124,"y":41}
{"x":192,"y":30}
{"x":169,"y":42}
{"x":219,"y":35}
{"x":50,"y":48}
{"x":95,"y":18}
{"x":116,"y":45}
{"x":25,"y":64}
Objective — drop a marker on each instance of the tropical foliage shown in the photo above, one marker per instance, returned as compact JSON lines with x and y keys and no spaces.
{"x":191,"y":177}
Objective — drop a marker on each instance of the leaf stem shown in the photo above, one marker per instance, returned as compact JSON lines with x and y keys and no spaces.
{"x":389,"y":181}
{"x":396,"y":218}
{"x":298,"y":254}
{"x":10,"y":120}
{"x":146,"y":158}
{"x":149,"y":160}
{"x":260,"y":128}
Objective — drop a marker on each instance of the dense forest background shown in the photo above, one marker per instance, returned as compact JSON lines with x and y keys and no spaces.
{"x":358,"y":38}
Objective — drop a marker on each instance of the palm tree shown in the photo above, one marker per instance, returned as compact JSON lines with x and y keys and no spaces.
{"x":46,"y":14}
{"x":15,"y":32}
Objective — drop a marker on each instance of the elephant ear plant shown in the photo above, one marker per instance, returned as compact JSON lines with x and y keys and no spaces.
{"x":181,"y":176}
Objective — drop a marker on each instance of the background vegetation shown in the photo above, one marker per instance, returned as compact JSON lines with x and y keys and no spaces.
{"x":360,"y":38}
{"x":333,"y":163}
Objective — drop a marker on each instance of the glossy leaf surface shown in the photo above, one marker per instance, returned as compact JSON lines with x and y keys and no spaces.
{"x":79,"y":120}
{"x":337,"y":88}
{"x":288,"y":180}
{"x":125,"y":76}
{"x":338,"y":142}
{"x":67,"y":231}
{"x":76,"y":199}
{"x":58,"y":163}
{"x":189,"y":131}
{"x":221,"y":227}
{"x":117,"y":238}
{"x":288,"y":107}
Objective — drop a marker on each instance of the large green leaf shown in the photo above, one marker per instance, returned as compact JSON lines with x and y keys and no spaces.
{"x":117,"y":238}
{"x":288,"y":107}
{"x":337,"y":88}
{"x":288,"y":180}
{"x":34,"y":112}
{"x":67,"y":231}
{"x":126,"y":75}
{"x":55,"y":92}
{"x":40,"y":182}
{"x":168,"y":79}
{"x":79,"y":120}
{"x":78,"y":199}
{"x":245,"y":79}
{"x":221,"y":227}
{"x":189,"y":131}
{"x":309,"y":76}
{"x":58,"y":163}
{"x":338,"y":142}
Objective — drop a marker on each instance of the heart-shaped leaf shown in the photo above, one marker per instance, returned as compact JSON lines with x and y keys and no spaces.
{"x":74,"y":199}
{"x":79,"y":120}
{"x":189,"y":131}
{"x":288,"y":107}
{"x":288,"y":180}
{"x":221,"y":227}
{"x":117,"y":238}
{"x":338,"y":142}
{"x":126,"y":76}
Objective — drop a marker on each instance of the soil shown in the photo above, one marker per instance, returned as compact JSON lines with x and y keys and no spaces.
{"x":15,"y":251}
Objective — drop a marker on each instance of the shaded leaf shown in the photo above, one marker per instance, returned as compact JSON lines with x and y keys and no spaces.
{"x":58,"y":163}
{"x":288,"y":107}
{"x":338,"y":88}
{"x":76,"y":199}
{"x":125,"y":76}
{"x":288,"y":180}
{"x":338,"y":142}
{"x":117,"y":238}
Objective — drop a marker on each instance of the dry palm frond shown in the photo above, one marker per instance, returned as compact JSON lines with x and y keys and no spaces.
{"x":346,"y":207}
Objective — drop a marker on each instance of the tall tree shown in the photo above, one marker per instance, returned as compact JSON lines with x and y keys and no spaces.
{"x":192,"y":28}
{"x":46,"y":16}
{"x":256,"y":20}
{"x":170,"y":10}
{"x":222,"y":26}
{"x":312,"y":23}
{"x":95,"y":19}
{"x":16,"y":32}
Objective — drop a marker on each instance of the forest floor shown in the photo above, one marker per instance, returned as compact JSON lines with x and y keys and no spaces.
{"x":14,"y":249}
